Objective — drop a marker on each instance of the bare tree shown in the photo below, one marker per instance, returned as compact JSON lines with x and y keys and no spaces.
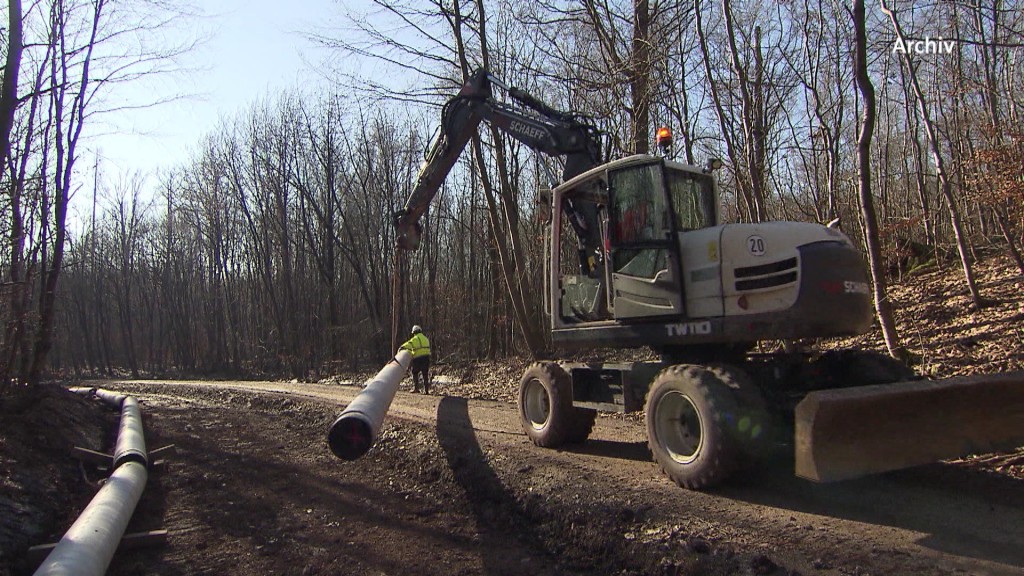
{"x":76,"y":51}
{"x":272,"y":250}
{"x":506,"y":226}
{"x":937,"y":158}
{"x":867,"y":128}
{"x":9,"y":86}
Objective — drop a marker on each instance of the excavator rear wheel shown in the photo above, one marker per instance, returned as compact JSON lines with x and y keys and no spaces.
{"x":688,"y":416}
{"x":546,"y":410}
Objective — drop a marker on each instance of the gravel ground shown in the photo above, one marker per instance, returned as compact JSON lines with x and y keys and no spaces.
{"x":453,"y":487}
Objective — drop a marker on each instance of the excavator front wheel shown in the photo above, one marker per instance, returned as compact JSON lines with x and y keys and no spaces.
{"x":546,"y":410}
{"x":688,"y":427}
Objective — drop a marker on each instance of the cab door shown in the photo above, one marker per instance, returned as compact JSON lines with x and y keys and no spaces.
{"x":644,"y":260}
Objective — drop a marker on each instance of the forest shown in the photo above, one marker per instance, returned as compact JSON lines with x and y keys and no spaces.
{"x":272,"y":251}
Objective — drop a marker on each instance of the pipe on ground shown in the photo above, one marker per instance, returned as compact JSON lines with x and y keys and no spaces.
{"x":131,"y":442}
{"x":83,"y":390}
{"x":89,"y":545}
{"x":354,"y":432}
{"x":112,"y":398}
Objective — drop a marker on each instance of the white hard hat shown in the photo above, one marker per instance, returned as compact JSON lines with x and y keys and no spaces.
{"x":416,"y":329}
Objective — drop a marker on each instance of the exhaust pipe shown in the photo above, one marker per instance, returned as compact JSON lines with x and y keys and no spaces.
{"x":354,"y":432}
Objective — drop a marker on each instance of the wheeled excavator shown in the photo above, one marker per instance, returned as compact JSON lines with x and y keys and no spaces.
{"x":636,"y":256}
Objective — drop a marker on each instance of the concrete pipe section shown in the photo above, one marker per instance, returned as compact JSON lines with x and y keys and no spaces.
{"x":354,"y":432}
{"x":89,"y":545}
{"x":131,"y":442}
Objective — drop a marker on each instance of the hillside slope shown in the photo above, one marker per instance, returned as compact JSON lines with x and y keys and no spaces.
{"x":945,"y":335}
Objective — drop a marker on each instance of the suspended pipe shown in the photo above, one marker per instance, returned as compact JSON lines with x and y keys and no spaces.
{"x":354,"y":432}
{"x":89,"y":545}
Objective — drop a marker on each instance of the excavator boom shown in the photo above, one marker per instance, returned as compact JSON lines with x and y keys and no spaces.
{"x":541,"y":127}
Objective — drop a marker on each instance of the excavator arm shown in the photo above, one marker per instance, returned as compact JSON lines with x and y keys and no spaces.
{"x":542,"y":128}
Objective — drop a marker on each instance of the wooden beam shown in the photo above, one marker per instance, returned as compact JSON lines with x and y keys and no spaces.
{"x":36,"y":554}
{"x":91,"y":456}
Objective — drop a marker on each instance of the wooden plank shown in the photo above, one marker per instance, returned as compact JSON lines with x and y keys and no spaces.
{"x":138,"y":540}
{"x":36,"y":554}
{"x":169,"y":449}
{"x":91,"y":456}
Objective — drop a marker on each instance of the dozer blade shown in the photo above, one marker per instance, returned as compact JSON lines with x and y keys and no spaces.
{"x":852,"y":432}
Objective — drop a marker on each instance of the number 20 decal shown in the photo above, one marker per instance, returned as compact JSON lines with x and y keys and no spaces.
{"x":755,"y":244}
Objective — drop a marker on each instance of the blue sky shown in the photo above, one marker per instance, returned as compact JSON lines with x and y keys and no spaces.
{"x":255,"y":49}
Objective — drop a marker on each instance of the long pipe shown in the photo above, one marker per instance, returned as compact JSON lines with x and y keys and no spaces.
{"x":354,"y":432}
{"x":89,"y":545}
{"x":131,"y":442}
{"x":112,"y":398}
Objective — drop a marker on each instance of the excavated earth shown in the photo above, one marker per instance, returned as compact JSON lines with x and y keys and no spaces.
{"x":453,"y":486}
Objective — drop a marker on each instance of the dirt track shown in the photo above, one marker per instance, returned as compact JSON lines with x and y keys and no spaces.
{"x":454,"y":487}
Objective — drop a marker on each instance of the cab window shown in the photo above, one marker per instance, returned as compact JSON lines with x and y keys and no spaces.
{"x":692,"y":199}
{"x":638,"y":208}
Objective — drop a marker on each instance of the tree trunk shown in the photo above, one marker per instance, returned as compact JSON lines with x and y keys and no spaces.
{"x":67,"y":134}
{"x":640,"y":77}
{"x":867,"y":128}
{"x":751,"y":115}
{"x":9,"y":88}
{"x":512,"y":273}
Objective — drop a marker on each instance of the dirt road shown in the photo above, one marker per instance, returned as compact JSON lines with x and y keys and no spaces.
{"x":454,"y":487}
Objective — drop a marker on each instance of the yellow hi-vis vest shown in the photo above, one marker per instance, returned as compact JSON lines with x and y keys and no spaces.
{"x":418,"y":345}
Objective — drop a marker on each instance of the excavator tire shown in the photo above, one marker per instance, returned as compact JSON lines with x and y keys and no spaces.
{"x":582,"y":425}
{"x":754,"y":427}
{"x":691,"y":412}
{"x":545,"y":407}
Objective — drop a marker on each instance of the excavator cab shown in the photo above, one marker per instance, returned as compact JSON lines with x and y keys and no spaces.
{"x":623,"y":221}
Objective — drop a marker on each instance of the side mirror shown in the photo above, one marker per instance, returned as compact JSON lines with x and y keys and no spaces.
{"x":712,"y":164}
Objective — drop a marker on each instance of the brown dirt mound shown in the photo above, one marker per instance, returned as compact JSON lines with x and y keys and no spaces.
{"x":40,"y":485}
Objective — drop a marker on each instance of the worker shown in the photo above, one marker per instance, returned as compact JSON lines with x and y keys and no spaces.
{"x":634,"y":225}
{"x":419,"y":346}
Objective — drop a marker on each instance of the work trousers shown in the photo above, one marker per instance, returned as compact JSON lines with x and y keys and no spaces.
{"x":421,"y":367}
